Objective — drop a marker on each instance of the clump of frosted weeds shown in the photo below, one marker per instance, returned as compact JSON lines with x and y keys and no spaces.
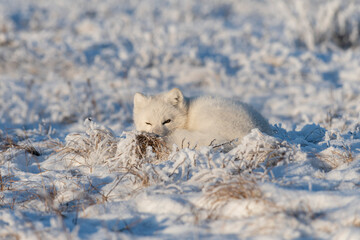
{"x":10,"y":143}
{"x":132,"y":153}
{"x":135,"y":148}
{"x":137,"y":152}
{"x":258,"y":149}
{"x":22,"y":142}
{"x":238,"y":189}
{"x":93,"y":148}
{"x":150,"y":144}
{"x":335,"y":157}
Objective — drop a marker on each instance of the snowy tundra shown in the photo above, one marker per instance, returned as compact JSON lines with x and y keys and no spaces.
{"x":63,"y":62}
{"x":196,"y":122}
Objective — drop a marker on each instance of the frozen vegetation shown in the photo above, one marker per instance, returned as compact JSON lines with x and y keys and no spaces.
{"x":72,"y":166}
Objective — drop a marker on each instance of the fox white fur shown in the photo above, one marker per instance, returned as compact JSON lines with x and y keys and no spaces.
{"x":195,"y":122}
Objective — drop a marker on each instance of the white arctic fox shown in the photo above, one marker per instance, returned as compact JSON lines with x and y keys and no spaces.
{"x":192,"y":122}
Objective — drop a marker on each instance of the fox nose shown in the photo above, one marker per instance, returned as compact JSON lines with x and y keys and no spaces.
{"x":158,"y":131}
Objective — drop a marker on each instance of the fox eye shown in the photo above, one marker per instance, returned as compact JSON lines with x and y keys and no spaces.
{"x":147,"y":123}
{"x":167,"y":121}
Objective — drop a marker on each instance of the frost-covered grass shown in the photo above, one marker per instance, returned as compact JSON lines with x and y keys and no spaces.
{"x":64,"y":175}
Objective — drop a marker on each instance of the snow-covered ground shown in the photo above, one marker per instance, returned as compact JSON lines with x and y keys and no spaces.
{"x":63,"y":176}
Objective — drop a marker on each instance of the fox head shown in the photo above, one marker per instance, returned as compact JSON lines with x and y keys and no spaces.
{"x":160,"y":114}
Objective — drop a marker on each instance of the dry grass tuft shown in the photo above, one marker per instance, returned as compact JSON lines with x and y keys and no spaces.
{"x":148,"y":149}
{"x":141,"y":176}
{"x":236,"y":188}
{"x":9,"y":143}
{"x":157,"y":145}
{"x":6,"y":182}
{"x":334,"y":157}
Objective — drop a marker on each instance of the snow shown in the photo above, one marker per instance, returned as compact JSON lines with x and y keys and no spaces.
{"x":72,"y":165}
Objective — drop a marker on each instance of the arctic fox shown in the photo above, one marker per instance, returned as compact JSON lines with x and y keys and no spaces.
{"x":195,"y":122}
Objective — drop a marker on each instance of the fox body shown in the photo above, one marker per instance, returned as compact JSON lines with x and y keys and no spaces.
{"x":191,"y":122}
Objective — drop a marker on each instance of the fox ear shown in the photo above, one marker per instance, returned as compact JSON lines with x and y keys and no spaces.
{"x":175,"y":96}
{"x":139,"y":100}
